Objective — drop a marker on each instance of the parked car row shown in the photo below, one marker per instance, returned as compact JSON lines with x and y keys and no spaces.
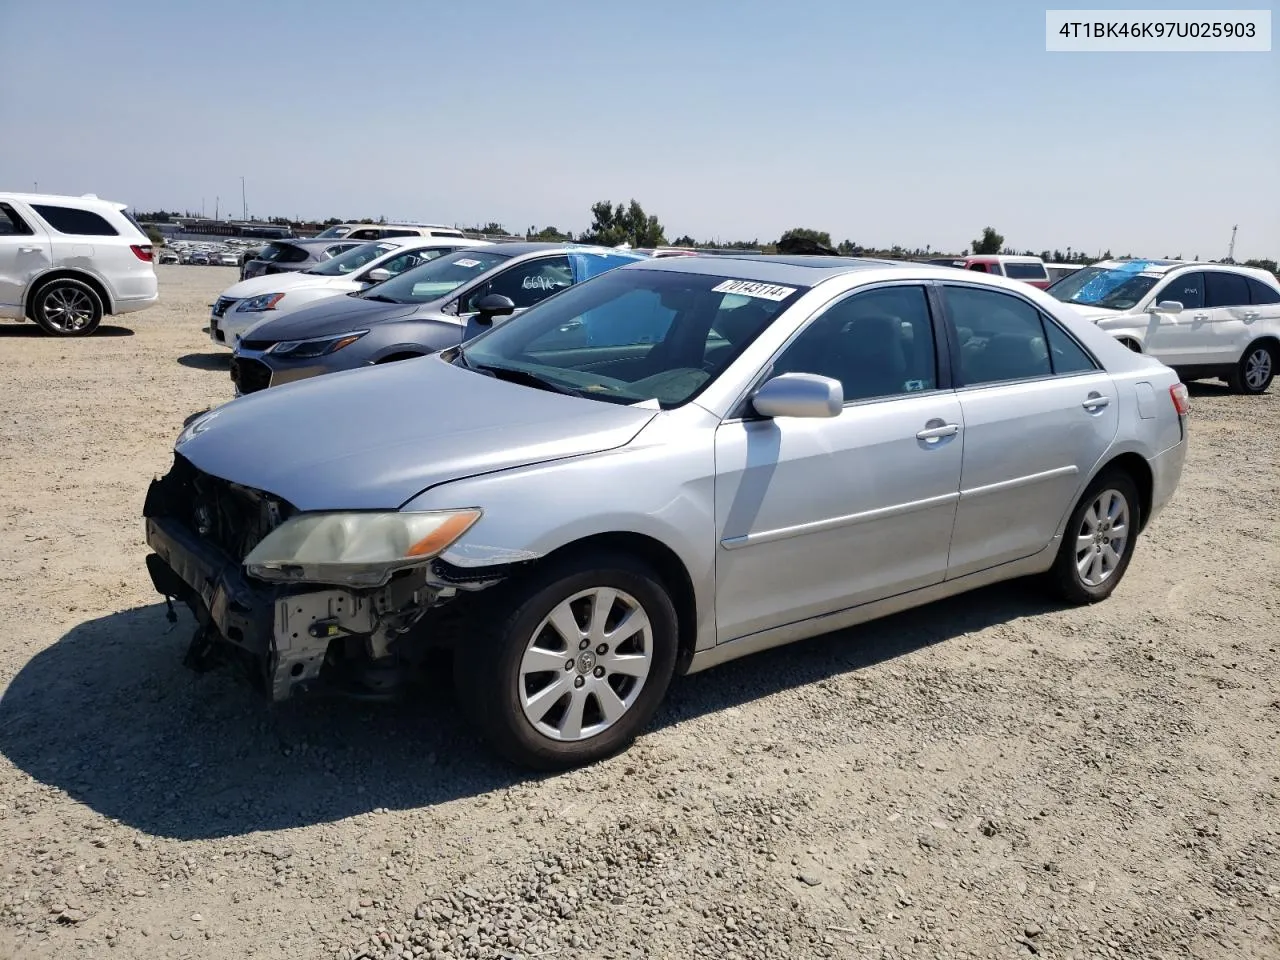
{"x":611,"y":469}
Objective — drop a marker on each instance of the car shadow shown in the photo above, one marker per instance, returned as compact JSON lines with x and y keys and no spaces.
{"x":1203,"y":388}
{"x":32,"y":330}
{"x":206,"y":361}
{"x":109,"y":715}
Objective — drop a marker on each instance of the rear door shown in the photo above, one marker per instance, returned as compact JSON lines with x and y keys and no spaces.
{"x":1227,"y":300}
{"x":25,"y":253}
{"x":1039,"y":412}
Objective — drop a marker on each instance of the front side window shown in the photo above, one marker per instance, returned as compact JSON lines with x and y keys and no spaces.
{"x":69,"y":220}
{"x":877,"y":344}
{"x":1000,"y":336}
{"x":980,"y":267}
{"x":1187,"y":290}
{"x":351,"y":260}
{"x":525,"y":283}
{"x":282,"y":253}
{"x":436,"y":279}
{"x":368,"y":233}
{"x":1225,"y":290}
{"x":11,"y":223}
{"x":1112,"y":288}
{"x":1261,"y":293}
{"x":654,"y":335}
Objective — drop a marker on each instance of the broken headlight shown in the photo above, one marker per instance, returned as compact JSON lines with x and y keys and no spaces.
{"x":355,"y":548}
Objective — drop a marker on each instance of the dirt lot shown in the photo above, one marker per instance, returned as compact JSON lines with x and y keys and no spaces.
{"x":989,"y":777}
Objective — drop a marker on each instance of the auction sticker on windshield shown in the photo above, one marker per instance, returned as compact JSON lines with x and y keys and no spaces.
{"x":752,"y":288}
{"x":466,"y":263}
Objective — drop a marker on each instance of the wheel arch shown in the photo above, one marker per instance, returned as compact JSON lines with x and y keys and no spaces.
{"x":63,"y":273}
{"x":665,"y":562}
{"x":1137,"y":468}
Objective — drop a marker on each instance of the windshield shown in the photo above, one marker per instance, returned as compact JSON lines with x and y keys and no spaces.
{"x":632,"y":335}
{"x":1112,"y":288}
{"x":433,"y":280}
{"x":281,"y":251}
{"x":336,"y":231}
{"x":352,"y":259}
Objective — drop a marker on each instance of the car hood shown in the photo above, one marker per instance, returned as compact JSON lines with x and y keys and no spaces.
{"x":330,"y":315}
{"x":273,"y":283}
{"x":1094,"y":313}
{"x":374,"y":438}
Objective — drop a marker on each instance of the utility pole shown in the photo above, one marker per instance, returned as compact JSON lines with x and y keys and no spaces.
{"x":243,"y":201}
{"x":217,"y":203}
{"x":1231,"y":250}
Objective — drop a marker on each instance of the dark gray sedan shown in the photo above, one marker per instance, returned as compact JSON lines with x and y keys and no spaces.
{"x":286,"y":256}
{"x":429,"y":308}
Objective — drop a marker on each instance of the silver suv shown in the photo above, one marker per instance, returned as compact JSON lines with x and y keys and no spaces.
{"x":66,"y":262}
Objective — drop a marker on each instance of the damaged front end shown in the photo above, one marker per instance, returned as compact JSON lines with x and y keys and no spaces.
{"x":344,"y":603}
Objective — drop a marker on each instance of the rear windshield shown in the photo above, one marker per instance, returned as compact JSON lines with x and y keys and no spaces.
{"x":1025,"y":271}
{"x":282,"y":253}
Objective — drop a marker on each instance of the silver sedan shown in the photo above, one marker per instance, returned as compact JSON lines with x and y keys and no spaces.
{"x":674,"y":464}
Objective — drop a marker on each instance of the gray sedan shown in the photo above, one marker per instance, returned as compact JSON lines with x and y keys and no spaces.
{"x":674,"y":464}
{"x":425,"y":309}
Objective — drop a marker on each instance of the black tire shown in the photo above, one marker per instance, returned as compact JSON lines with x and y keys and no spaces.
{"x":67,"y":308}
{"x":487,"y":668}
{"x":1065,"y":577}
{"x":1256,"y":369}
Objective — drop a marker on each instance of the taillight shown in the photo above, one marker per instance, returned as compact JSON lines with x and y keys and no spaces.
{"x":1181,"y":399}
{"x":142,"y":252}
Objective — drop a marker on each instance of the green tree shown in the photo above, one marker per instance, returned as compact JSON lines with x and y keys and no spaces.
{"x":989,"y":242}
{"x":1270,"y":265}
{"x":804,"y":233}
{"x":154,"y":235}
{"x":612,"y":226}
{"x":684,"y":241}
{"x":493,"y":227}
{"x":548,"y":235}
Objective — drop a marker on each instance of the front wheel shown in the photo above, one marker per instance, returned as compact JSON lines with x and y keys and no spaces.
{"x":574,"y":665}
{"x":67,"y":308}
{"x":1099,"y":540}
{"x":1255,"y":371}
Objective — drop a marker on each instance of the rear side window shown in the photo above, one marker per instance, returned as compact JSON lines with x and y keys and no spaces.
{"x":11,"y":223}
{"x":1025,"y":271}
{"x":1226,"y":290}
{"x":69,"y":220}
{"x":1065,"y":354}
{"x":393,"y":232}
{"x":980,"y":267}
{"x":1187,"y":290}
{"x":1260,"y":293}
{"x":282,"y":253}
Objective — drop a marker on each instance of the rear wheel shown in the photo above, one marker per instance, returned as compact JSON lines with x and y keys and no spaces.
{"x":574,"y":664}
{"x":67,"y":308}
{"x":1099,"y":540}
{"x":1256,"y":369}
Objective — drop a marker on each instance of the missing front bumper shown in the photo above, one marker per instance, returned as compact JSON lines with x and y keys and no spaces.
{"x":282,"y":638}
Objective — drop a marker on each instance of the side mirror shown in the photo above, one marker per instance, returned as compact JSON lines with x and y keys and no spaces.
{"x":493,"y":305}
{"x":1166,"y":306}
{"x":378,"y":275}
{"x":799,"y":395}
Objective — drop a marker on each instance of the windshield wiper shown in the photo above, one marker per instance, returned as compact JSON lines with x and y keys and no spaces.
{"x":521,"y":376}
{"x":381,"y":298}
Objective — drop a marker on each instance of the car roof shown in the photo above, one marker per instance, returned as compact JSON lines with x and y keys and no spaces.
{"x":1150,"y":266}
{"x":529,"y":247}
{"x":88,"y":201}
{"x":800,"y":270}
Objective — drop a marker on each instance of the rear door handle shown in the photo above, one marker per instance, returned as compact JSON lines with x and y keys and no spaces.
{"x":936,"y":433}
{"x":28,"y":249}
{"x":1095,"y":403}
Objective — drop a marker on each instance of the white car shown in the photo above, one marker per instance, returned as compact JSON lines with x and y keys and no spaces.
{"x":1206,"y":320}
{"x":66,"y":262}
{"x":245,"y":304}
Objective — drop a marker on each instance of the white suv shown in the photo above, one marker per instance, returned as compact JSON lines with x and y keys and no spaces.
{"x":243,"y":305}
{"x":66,"y":262}
{"x":1206,"y":320}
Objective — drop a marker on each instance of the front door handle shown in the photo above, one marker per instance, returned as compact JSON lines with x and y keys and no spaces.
{"x":1252,"y":315}
{"x":28,"y":249}
{"x":1199,"y":316}
{"x":937,"y":433}
{"x":1095,"y":403}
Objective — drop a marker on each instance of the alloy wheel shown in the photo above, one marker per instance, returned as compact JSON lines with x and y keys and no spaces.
{"x":585,"y":665}
{"x":68,"y":309}
{"x":1257,"y":368}
{"x":1102,"y":538}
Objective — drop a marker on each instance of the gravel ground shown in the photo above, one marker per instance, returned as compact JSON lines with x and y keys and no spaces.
{"x":988,"y":777}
